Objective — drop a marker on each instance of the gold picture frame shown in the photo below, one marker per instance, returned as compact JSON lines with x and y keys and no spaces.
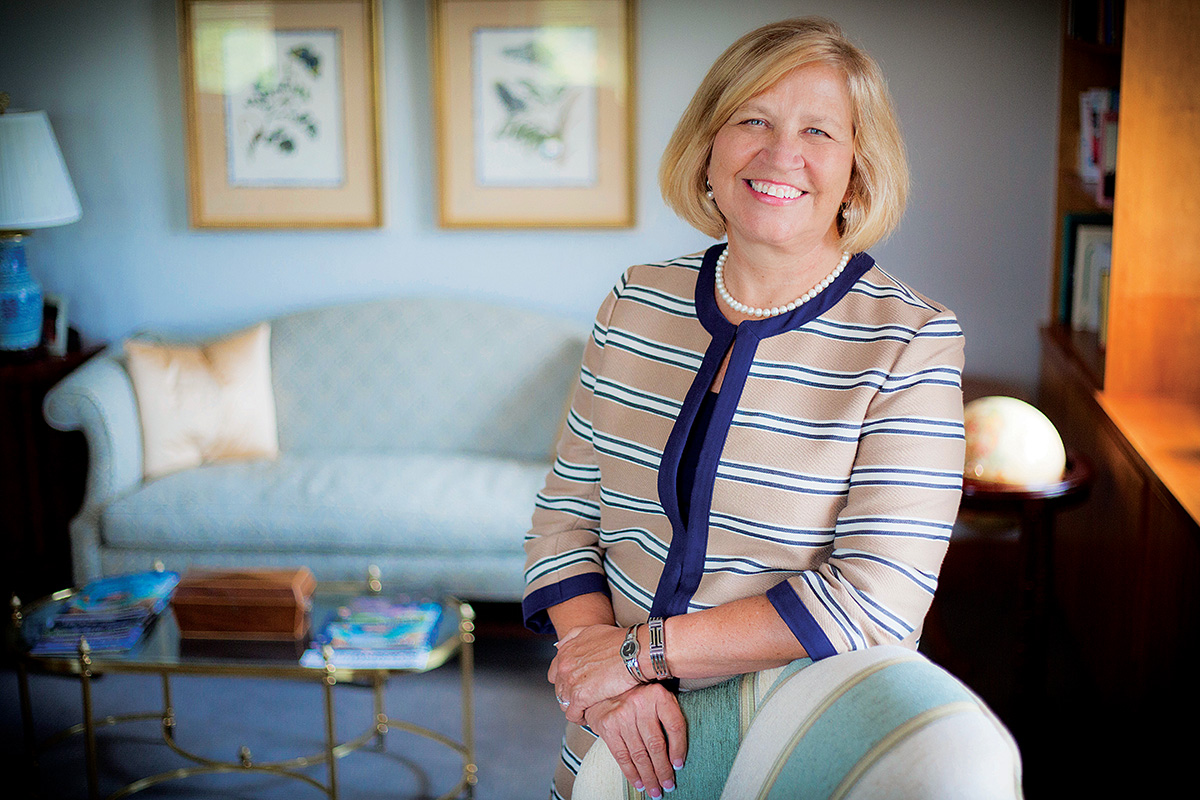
{"x":534,"y":111}
{"x":282,"y":113}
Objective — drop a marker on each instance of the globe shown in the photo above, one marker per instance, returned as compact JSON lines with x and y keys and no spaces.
{"x":1009,"y":441}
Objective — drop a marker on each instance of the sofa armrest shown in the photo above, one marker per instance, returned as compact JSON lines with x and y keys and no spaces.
{"x":98,"y":399}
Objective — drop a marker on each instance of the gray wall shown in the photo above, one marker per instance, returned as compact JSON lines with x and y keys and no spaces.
{"x":975,"y":84}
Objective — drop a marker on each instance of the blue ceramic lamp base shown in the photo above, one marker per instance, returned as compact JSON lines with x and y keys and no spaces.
{"x":20,"y":298}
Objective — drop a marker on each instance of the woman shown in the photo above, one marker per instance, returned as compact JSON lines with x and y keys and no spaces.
{"x":763,"y":458}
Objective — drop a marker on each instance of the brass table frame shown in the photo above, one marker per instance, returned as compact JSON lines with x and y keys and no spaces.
{"x":86,"y":665}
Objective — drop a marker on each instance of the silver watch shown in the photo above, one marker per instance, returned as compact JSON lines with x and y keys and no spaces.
{"x":629,"y":654}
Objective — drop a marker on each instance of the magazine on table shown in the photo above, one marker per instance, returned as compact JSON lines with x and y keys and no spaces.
{"x":377,"y":633}
{"x":112,"y":613}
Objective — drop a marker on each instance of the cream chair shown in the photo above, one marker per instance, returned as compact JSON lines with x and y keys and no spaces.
{"x":883,"y":723}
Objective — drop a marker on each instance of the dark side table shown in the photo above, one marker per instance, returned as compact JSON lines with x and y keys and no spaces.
{"x":1035,"y":508}
{"x":44,"y":472}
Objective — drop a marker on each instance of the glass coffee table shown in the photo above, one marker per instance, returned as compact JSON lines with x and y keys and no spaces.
{"x":165,"y":653}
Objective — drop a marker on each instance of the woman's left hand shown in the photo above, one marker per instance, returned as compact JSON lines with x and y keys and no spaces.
{"x":588,"y":668}
{"x":646,"y":732}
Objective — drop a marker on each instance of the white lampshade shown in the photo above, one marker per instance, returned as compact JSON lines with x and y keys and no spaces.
{"x":35,"y":189}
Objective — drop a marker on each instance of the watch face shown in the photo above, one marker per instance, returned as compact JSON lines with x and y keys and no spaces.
{"x":629,"y":648}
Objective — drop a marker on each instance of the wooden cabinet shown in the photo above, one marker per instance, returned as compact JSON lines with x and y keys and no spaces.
{"x":1127,"y":568}
{"x":1170,"y":602}
{"x":1096,"y":545}
{"x":43,"y":477}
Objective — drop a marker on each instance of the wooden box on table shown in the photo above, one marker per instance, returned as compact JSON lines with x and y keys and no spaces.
{"x":244,"y":604}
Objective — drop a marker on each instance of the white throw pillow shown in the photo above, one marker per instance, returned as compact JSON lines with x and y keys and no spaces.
{"x":203,"y":403}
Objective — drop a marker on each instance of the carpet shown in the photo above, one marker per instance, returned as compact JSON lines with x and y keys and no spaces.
{"x":518,"y":731}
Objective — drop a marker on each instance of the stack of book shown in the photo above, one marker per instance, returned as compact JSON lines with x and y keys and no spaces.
{"x":1098,"y":124}
{"x":112,"y":614}
{"x":376,"y":633}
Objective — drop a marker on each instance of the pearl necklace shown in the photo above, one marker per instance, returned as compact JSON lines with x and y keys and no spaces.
{"x":777,"y":310}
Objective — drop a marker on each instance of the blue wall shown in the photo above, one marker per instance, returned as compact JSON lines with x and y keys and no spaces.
{"x":975,"y":84}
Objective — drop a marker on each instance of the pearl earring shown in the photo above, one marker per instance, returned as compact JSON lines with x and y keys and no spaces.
{"x":708,"y":186}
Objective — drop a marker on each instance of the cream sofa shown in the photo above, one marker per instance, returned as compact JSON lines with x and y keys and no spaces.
{"x":413,"y":434}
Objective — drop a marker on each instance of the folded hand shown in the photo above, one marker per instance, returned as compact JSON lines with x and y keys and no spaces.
{"x":646,"y":733}
{"x":588,"y":668}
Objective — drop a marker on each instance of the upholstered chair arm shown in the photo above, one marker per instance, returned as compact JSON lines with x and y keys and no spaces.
{"x":98,"y":399}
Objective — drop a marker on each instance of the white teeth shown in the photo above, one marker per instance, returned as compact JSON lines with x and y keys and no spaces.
{"x":775,"y":190}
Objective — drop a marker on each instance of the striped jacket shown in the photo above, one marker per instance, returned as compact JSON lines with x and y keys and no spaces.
{"x":829,"y":478}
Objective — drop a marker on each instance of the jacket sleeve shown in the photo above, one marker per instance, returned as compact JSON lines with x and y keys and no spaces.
{"x":563,"y":555}
{"x":904,"y":490}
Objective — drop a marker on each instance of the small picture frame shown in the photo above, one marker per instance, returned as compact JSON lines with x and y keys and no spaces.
{"x":1093,"y":258}
{"x":54,"y":325}
{"x":281,"y":102}
{"x":1072,"y":223}
{"x":534,"y":111}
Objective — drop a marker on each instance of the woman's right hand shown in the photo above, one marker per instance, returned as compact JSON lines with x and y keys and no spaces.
{"x":646,"y":733}
{"x":588,"y":668}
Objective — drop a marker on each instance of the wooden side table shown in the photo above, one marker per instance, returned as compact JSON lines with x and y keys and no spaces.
{"x":1035,"y":509}
{"x":44,"y":473}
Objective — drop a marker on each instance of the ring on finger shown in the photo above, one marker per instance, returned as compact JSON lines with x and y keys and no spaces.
{"x":561,"y":702}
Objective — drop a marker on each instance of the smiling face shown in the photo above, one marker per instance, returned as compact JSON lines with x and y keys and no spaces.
{"x":780,"y":167}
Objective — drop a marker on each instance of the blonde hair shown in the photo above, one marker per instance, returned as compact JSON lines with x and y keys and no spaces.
{"x":752,"y":64}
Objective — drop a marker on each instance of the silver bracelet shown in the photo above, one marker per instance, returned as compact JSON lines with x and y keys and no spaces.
{"x":658,"y":648}
{"x":629,"y":654}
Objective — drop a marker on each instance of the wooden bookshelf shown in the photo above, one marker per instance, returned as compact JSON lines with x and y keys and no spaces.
{"x":1084,"y":66}
{"x":1083,"y":349}
{"x":1154,"y":328}
{"x":1127,"y":565}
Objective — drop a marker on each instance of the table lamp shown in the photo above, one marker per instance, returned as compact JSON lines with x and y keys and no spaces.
{"x":35,"y":192}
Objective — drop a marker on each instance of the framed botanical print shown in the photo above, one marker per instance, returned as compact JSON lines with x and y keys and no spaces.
{"x":282,"y":113}
{"x":535,"y":112}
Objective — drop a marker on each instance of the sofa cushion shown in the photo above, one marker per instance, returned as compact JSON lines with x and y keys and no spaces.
{"x":423,"y":375}
{"x":204,"y":402}
{"x":334,"y":503}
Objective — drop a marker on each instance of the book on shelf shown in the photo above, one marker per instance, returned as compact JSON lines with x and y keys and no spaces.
{"x":1102,"y":331}
{"x":1095,"y":105}
{"x":376,"y":633}
{"x":112,"y":614}
{"x":1093,"y":257}
{"x":1106,"y":186}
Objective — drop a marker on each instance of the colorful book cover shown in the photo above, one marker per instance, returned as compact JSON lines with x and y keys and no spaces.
{"x":111,"y":613}
{"x":373,"y":632}
{"x":123,"y":595}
